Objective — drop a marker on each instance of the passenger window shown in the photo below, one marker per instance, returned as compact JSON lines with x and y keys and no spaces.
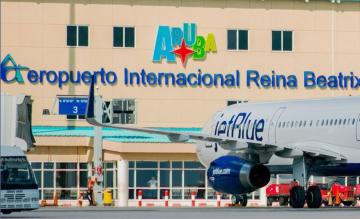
{"x":279,"y":125}
{"x":300,"y":123}
{"x":292,"y":124}
{"x":317,"y":123}
{"x":335,"y":122}
{"x":327,"y":122}
{"x":311,"y":123}
{"x":353,"y":122}
{"x":323,"y":122}
{"x":331,"y":122}
{"x":304,"y":123}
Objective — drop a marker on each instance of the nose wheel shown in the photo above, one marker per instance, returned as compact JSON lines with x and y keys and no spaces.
{"x":239,"y":200}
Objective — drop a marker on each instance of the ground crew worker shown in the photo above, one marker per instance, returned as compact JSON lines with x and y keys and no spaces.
{"x":153,"y":185}
{"x":330,"y":198}
{"x":90,"y":192}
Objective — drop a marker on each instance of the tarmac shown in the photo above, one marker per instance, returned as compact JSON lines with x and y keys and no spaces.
{"x":188,"y":213}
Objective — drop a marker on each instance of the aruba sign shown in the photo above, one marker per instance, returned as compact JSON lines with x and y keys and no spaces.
{"x":185,"y":42}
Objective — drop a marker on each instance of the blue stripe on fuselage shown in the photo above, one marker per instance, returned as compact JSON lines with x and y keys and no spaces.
{"x":343,"y":169}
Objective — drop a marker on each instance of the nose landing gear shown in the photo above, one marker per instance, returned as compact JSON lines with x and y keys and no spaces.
{"x":239,"y":200}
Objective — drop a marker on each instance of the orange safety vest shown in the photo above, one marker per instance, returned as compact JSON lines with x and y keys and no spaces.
{"x":90,"y":184}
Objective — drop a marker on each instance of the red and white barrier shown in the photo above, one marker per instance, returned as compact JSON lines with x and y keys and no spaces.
{"x":140,"y":198}
{"x":166,"y":198}
{"x":218,"y":199}
{"x":192,"y":198}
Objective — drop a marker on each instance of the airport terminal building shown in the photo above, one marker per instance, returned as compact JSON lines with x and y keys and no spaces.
{"x":168,"y":64}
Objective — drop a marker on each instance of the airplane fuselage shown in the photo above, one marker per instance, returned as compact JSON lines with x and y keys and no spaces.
{"x":328,"y":124}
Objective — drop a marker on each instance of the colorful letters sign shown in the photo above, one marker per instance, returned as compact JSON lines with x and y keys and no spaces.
{"x":174,"y":41}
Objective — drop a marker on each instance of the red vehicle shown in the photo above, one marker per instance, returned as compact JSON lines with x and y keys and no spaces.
{"x":342,"y":194}
{"x":278,"y":193}
{"x":357,"y":194}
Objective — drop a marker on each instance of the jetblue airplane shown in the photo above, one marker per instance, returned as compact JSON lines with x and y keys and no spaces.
{"x":243,"y":144}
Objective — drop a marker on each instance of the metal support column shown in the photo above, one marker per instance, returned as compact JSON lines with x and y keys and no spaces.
{"x":123,"y":182}
{"x":97,"y":159}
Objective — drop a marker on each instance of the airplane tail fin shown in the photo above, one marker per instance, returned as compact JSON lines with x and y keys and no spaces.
{"x":90,"y":114}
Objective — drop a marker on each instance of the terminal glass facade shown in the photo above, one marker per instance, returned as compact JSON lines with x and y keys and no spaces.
{"x":180,"y":178}
{"x":67,"y":179}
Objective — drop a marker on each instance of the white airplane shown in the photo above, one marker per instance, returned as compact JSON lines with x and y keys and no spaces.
{"x":243,"y":143}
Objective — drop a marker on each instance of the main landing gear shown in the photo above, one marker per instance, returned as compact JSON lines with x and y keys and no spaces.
{"x":312,"y":197}
{"x":298,"y":195}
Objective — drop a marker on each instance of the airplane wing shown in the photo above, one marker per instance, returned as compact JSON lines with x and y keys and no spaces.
{"x":244,"y":145}
{"x":173,"y":136}
{"x":312,"y":149}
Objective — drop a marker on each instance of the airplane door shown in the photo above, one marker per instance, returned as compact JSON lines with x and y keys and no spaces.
{"x":273,"y":125}
{"x":358,"y":128}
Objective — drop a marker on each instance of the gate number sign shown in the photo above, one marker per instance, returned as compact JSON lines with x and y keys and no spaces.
{"x":72,"y":106}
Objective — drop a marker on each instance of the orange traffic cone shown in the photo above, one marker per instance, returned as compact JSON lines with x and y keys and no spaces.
{"x":337,"y":199}
{"x":80,"y":199}
{"x":56,"y":198}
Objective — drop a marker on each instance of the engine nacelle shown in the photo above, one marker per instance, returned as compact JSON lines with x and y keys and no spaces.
{"x":233,"y":175}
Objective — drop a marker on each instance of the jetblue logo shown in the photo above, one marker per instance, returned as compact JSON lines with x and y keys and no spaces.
{"x":8,"y":65}
{"x":241,"y":126}
{"x":219,"y":171}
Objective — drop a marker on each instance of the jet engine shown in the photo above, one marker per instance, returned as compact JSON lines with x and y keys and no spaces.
{"x":233,"y":175}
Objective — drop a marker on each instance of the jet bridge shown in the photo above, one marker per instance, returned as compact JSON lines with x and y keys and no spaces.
{"x":16,"y":121}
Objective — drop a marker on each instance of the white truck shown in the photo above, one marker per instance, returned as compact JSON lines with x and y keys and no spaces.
{"x":18,"y":186}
